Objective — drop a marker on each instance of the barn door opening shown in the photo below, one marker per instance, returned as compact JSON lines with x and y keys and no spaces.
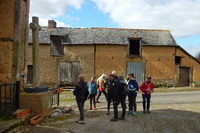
{"x":138,"y":69}
{"x":68,"y":73}
{"x":184,"y":76}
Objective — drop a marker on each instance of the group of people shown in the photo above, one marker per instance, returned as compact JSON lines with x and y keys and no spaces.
{"x":115,"y":90}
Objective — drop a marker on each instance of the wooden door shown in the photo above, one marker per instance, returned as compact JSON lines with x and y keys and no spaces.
{"x":184,"y":76}
{"x":68,"y":73}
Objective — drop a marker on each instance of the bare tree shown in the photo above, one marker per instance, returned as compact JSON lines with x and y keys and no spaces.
{"x":198,"y":56}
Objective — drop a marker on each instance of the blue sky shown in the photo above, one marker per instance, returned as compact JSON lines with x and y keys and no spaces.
{"x":181,"y":17}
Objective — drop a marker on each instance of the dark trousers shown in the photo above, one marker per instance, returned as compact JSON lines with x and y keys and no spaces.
{"x":104,"y":92}
{"x":81,"y":109}
{"x":123,"y":105}
{"x":146,"y":98}
{"x":132,"y":103}
{"x":92,"y":98}
{"x":109,"y":100}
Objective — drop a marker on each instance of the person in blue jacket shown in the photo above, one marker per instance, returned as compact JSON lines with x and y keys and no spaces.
{"x":133,"y":88}
{"x":92,"y":88}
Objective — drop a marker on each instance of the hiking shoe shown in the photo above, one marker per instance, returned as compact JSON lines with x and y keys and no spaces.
{"x":130,"y":113}
{"x":95,"y":108}
{"x":113,"y":119}
{"x":134,"y":113}
{"x":81,"y":122}
{"x":122,"y":118}
{"x":148,"y":112}
{"x":108,"y":113}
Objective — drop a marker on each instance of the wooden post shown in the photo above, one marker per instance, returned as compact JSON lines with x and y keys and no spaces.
{"x":35,"y":51}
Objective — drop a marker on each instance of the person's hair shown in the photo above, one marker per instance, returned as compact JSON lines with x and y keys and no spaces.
{"x":103,"y":75}
{"x":81,"y":78}
{"x":111,"y":75}
{"x":113,"y":72}
{"x":121,"y":77}
{"x":93,"y":77}
{"x":132,"y":75}
{"x":148,"y":77}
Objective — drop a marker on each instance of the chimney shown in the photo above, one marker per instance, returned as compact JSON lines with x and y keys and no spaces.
{"x":51,"y":24}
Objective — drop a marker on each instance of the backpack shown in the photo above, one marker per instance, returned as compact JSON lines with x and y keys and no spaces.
{"x":125,"y":92}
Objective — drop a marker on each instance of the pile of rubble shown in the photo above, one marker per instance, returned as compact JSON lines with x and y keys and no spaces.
{"x":58,"y":111}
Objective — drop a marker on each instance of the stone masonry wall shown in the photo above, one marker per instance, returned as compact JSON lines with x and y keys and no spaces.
{"x":159,"y":61}
{"x":13,"y":24}
{"x":6,"y":37}
{"x":49,"y":64}
{"x":187,"y":61}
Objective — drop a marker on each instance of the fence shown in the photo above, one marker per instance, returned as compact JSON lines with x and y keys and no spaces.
{"x":9,"y":97}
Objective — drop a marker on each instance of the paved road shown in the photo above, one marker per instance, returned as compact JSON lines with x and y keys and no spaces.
{"x":175,"y":97}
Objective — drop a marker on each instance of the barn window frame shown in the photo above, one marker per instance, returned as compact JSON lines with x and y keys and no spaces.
{"x":57,"y":48}
{"x":178,"y":60}
{"x":131,"y":47}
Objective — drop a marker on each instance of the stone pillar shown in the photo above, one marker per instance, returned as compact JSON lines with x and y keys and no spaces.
{"x":35,"y":51}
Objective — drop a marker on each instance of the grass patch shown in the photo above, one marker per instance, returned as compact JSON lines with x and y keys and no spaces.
{"x":59,"y":118}
{"x":6,"y":118}
{"x":68,"y":100}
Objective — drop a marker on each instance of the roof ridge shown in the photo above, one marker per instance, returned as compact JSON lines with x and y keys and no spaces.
{"x":128,"y":29}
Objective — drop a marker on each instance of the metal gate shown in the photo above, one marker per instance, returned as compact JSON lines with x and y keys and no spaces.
{"x":184,"y":76}
{"x":9,"y":97}
{"x":68,"y":73}
{"x":138,"y":69}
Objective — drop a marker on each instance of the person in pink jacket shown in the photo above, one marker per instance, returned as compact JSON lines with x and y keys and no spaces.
{"x":147,"y":87}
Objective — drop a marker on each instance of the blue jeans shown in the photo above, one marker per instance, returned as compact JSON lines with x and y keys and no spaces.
{"x":146,"y":98}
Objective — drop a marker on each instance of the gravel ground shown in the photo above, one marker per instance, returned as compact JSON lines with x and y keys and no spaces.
{"x":165,"y":117}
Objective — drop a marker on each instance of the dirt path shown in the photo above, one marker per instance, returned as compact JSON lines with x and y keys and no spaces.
{"x":167,"y":116}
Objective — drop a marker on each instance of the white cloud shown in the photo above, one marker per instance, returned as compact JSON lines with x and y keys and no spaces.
{"x":180,"y":16}
{"x":52,"y":9}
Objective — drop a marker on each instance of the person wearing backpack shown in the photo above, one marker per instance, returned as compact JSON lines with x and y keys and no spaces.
{"x":101,"y":87}
{"x":81,"y":93}
{"x":111,"y":85}
{"x":120,"y":97}
{"x":133,"y":88}
{"x":147,"y":88}
{"x":92,"y":88}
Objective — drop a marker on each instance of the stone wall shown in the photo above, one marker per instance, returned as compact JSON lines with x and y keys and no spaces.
{"x":6,"y":39}
{"x":49,"y":64}
{"x":159,"y":62}
{"x":187,"y":61}
{"x":13,"y":25}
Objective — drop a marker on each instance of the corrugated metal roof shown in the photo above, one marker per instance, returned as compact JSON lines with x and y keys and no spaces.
{"x":106,"y":36}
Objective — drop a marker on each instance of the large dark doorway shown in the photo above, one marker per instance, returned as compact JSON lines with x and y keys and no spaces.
{"x":184,"y":76}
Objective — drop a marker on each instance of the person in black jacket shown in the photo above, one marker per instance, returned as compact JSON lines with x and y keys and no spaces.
{"x":111,"y":84}
{"x":81,"y":93}
{"x":120,"y":97}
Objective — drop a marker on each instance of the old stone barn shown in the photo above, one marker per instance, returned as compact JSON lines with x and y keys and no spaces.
{"x":67,"y":52}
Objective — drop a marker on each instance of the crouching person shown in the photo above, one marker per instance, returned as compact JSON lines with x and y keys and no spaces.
{"x":120,"y":97}
{"x":81,"y":93}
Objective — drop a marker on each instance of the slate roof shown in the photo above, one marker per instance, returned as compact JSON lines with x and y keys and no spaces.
{"x":106,"y":36}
